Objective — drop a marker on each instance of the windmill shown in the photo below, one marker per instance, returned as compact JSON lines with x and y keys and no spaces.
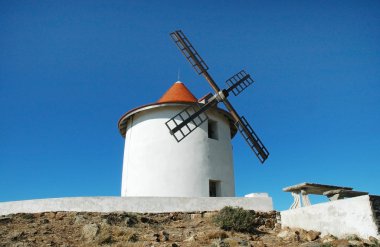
{"x":186,"y":121}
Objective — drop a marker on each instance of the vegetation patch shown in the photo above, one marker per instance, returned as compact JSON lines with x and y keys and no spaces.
{"x":237,"y":219}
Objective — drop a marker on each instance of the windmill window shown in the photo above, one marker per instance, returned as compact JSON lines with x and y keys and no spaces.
{"x":214,"y":188}
{"x":212,"y":129}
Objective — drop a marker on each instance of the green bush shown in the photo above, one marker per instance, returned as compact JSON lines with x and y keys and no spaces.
{"x":237,"y":219}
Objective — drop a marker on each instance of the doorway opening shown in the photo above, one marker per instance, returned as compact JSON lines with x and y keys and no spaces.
{"x":214,"y":188}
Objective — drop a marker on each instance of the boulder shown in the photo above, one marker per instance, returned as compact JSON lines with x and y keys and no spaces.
{"x":89,"y":231}
{"x":288,"y":235}
{"x":312,"y":235}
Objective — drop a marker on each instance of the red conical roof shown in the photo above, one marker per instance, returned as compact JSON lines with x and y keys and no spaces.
{"x":178,"y":93}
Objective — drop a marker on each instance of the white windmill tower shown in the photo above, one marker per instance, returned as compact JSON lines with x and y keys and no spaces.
{"x":200,"y":165}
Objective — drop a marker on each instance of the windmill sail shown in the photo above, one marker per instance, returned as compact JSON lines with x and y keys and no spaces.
{"x":189,"y":52}
{"x":252,"y":139}
{"x":189,"y":119}
{"x":237,"y":83}
{"x":186,"y":121}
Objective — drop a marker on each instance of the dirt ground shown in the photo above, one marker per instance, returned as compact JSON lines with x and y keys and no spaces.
{"x":169,"y":229}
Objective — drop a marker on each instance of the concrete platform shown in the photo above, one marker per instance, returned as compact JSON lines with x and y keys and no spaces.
{"x":358,"y":215}
{"x":135,"y":204}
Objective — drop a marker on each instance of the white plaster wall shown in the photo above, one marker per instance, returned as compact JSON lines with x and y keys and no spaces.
{"x":135,"y":204}
{"x":156,"y":165}
{"x":341,"y":217}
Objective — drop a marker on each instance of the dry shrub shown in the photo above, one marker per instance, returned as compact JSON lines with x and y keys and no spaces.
{"x":237,"y":219}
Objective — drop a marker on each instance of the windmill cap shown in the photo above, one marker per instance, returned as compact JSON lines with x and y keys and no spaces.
{"x":177,"y":95}
{"x":178,"y":92}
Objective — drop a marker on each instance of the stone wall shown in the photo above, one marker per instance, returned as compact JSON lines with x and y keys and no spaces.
{"x":135,"y":204}
{"x":339,"y":218}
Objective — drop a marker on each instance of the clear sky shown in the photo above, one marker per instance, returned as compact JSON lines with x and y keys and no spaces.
{"x":70,"y":69}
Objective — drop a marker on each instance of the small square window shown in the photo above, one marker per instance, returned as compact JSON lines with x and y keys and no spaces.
{"x":212,"y":129}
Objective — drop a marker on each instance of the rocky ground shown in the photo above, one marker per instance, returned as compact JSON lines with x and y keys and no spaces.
{"x":169,"y":229}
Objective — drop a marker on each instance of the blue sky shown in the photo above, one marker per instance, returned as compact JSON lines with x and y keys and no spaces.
{"x":70,"y":69}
